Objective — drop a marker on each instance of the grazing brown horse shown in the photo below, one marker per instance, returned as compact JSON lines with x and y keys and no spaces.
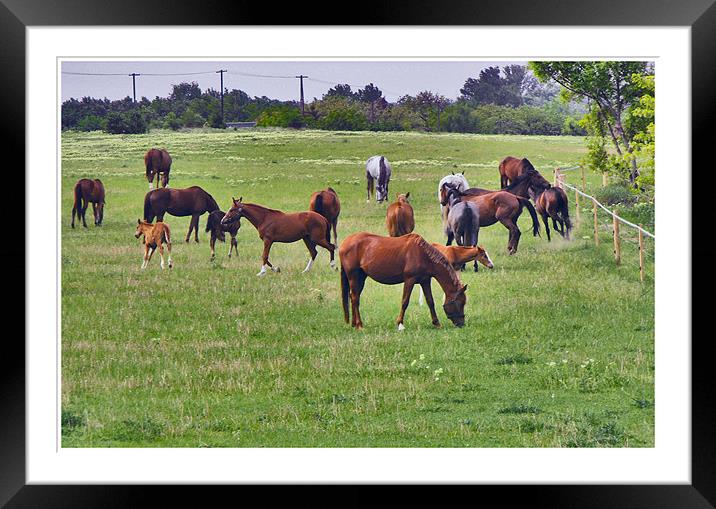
{"x":157,"y":162}
{"x":399,"y":217}
{"x":551,"y":202}
{"x":192,"y":201}
{"x":392,"y":260}
{"x":213,"y":225}
{"x":276,"y":226}
{"x":502,"y":206}
{"x":155,"y":235}
{"x":327,"y":204}
{"x":511,"y":168}
{"x":88,"y":191}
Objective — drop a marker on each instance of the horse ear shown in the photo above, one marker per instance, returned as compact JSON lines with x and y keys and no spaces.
{"x":139,"y":221}
{"x":233,"y":199}
{"x":241,"y":199}
{"x":463,"y":289}
{"x":462,"y":172}
{"x":452,"y":172}
{"x":407,"y":195}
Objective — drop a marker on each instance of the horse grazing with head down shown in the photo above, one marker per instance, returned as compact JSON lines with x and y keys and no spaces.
{"x":213,"y":225}
{"x":378,"y":168}
{"x":511,"y":167}
{"x":392,"y":260}
{"x":327,"y":204}
{"x":157,"y":162}
{"x":399,"y":217}
{"x":88,"y":191}
{"x":192,"y":201}
{"x":276,"y":226}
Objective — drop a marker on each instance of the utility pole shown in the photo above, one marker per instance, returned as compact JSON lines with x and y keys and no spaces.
{"x":134,"y":85}
{"x":303,"y":110}
{"x":221,"y":72}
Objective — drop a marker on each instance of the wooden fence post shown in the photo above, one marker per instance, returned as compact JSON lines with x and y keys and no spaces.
{"x":617,"y":242}
{"x":576,"y":205}
{"x":556,"y":177}
{"x":584,"y":181}
{"x":641,"y":255}
{"x":596,"y":223}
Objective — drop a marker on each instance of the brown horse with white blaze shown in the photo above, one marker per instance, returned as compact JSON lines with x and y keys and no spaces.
{"x":88,"y":191}
{"x":399,"y":218}
{"x":276,"y":226}
{"x":157,"y":162}
{"x":327,"y":204}
{"x":392,"y":260}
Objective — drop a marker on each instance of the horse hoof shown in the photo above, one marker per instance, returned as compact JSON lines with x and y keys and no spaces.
{"x":437,"y":324}
{"x":401,"y":327}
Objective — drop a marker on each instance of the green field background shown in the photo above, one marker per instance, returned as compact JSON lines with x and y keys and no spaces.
{"x":557,"y":351}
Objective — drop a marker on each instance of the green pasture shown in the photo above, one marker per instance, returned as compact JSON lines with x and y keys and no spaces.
{"x":557,"y":351}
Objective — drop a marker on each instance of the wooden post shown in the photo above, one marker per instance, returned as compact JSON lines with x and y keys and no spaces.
{"x":596,"y":223}
{"x":617,"y":243}
{"x":576,"y":204}
{"x":556,"y":177}
{"x":584,"y":181}
{"x":641,"y":255}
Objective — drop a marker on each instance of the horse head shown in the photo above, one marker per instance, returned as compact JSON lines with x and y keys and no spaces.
{"x":484,"y":258}
{"x":235,"y":212}
{"x":141,"y":226}
{"x":455,"y":307}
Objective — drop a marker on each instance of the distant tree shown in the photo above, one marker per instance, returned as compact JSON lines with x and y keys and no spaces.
{"x":491,"y":88}
{"x":427,"y":106}
{"x":370,"y":94}
{"x":341,"y":91}
{"x":185,"y":91}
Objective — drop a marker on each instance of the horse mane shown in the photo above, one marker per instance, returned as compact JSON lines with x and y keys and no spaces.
{"x":331,"y":190}
{"x":527,"y":165}
{"x":212,"y":202}
{"x":439,"y":259}
{"x":213,"y":218}
{"x":383,"y":172}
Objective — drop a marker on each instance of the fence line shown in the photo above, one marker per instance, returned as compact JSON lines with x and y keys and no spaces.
{"x":559,"y":182}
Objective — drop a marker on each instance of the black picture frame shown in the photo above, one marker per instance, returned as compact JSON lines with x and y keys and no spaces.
{"x":700,"y":15}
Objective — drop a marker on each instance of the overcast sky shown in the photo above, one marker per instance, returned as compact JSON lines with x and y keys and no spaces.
{"x":393,"y":78}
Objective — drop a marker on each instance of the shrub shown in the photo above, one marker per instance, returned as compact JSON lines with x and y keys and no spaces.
{"x":281,"y":116}
{"x":615,"y":194}
{"x":130,"y":122}
{"x":91,"y":123}
{"x":171,"y":121}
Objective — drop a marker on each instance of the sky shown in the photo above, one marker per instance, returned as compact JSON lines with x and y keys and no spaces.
{"x":277,"y":81}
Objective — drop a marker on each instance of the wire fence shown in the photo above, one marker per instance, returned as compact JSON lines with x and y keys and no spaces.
{"x":614,"y":229}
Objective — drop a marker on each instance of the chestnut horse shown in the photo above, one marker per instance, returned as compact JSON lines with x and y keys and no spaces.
{"x":392,"y":260}
{"x":276,"y":226}
{"x":511,"y":168}
{"x":88,"y":191}
{"x":502,"y":206}
{"x":551,"y":202}
{"x":192,"y":201}
{"x":327,"y":204}
{"x":213,"y":225}
{"x":157,"y":162}
{"x":155,"y":235}
{"x":399,"y":217}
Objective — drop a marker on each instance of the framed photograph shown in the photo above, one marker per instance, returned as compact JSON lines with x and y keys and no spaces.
{"x":571,"y":363}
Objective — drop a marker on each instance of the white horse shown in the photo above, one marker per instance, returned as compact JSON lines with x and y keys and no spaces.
{"x":459,"y":182}
{"x":378,"y":168}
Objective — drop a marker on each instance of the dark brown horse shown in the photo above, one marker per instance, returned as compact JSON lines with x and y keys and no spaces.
{"x":88,"y":191}
{"x":276,"y":226}
{"x":157,"y":162}
{"x":192,"y":201}
{"x":511,"y":168}
{"x":213,"y":225}
{"x":502,"y":206}
{"x":399,"y":218}
{"x":392,"y":260}
{"x":551,"y":202}
{"x":327,"y":204}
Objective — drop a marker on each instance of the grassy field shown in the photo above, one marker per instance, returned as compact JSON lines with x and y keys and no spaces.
{"x":557,"y":351}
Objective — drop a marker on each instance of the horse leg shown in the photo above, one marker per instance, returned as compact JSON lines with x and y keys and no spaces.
{"x":145,"y":258}
{"x":356,"y":282}
{"x":321,"y":241}
{"x":161,"y":255}
{"x":514,"y":237}
{"x":545,"y":220}
{"x":450,"y":237}
{"x":312,"y":251}
{"x":335,"y":234}
{"x":427,"y":290}
{"x":212,"y":241}
{"x":234,"y":245}
{"x":195,"y":220}
{"x":408,"y":285}
{"x":370,"y":187}
{"x":74,"y":209}
{"x":265,"y":259}
{"x":94,"y":212}
{"x":85,"y":203}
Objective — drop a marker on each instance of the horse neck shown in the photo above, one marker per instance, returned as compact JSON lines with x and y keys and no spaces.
{"x":447,"y":281}
{"x":256,"y":214}
{"x":521,"y":189}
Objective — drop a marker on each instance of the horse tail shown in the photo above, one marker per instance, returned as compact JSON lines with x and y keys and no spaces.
{"x":328,"y":229}
{"x":318,"y":204}
{"x":564,"y":211}
{"x":77,"y":207}
{"x":148,"y":212}
{"x":531,"y":209}
{"x":344,"y":293}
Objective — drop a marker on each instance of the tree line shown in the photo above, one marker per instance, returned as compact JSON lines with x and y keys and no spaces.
{"x":498,"y":101}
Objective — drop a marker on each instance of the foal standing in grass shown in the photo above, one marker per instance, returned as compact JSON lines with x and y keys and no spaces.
{"x":399,"y":217}
{"x":155,"y":235}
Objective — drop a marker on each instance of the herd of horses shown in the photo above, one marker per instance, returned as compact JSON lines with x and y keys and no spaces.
{"x":401,"y":257}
